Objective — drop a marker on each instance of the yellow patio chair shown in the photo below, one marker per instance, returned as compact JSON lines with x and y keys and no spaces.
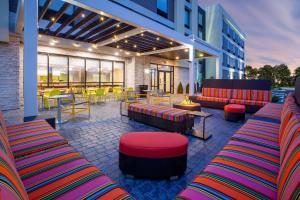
{"x":77,"y":106}
{"x":100,"y":94}
{"x":117,"y":92}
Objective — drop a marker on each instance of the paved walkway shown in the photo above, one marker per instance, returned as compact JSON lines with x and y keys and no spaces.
{"x":97,"y":139}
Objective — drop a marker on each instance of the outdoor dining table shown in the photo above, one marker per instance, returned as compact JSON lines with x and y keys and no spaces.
{"x":58,"y":98}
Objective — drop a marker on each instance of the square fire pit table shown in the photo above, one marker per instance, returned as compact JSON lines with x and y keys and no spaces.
{"x":190,"y":106}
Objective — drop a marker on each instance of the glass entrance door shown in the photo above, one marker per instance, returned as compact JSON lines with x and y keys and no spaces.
{"x":164,"y":81}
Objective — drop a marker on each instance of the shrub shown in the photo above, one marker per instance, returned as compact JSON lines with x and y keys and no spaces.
{"x":187,"y":88}
{"x":180,"y":88}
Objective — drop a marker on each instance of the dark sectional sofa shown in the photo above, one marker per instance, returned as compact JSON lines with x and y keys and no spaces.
{"x":216,"y":93}
{"x":261,"y":160}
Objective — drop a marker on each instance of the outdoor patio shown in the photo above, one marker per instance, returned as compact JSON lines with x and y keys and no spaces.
{"x":97,"y":139}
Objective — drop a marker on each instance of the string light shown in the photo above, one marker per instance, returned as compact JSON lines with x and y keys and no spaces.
{"x":142,"y":34}
{"x":177,"y":58}
{"x":126,"y":41}
{"x":171,"y":43}
{"x":52,"y":19}
{"x":90,"y":49}
{"x":157,"y":38}
{"x":135,"y":46}
{"x":186,"y":50}
{"x":154,"y":48}
{"x":83,"y":15}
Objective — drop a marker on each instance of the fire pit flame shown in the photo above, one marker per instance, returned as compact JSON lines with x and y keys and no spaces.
{"x":186,"y":101}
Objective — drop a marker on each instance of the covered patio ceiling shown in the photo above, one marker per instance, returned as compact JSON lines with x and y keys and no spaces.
{"x":59,"y":19}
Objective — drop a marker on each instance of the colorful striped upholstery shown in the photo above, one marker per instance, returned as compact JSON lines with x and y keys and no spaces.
{"x":260,"y":133}
{"x":217,"y":92}
{"x":213,"y":99}
{"x":288,"y":179}
{"x":270,"y":110}
{"x":164,"y":112}
{"x":11,"y":186}
{"x":248,"y":102}
{"x":61,"y":172}
{"x":4,"y":145}
{"x":254,"y":95}
{"x":240,"y":171}
{"x":31,"y":137}
{"x":289,"y":109}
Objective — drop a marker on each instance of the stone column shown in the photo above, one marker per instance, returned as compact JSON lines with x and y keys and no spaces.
{"x":192,"y":70}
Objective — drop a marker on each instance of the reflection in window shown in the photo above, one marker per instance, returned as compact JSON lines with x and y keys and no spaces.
{"x":76,"y":72}
{"x":106,"y":71}
{"x":92,"y":72}
{"x":187,"y":18}
{"x":162,"y":8}
{"x":58,"y":71}
{"x":42,"y":70}
{"x":118,"y":73}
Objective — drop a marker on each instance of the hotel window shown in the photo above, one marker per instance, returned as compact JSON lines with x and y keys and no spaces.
{"x":106,"y":72}
{"x":162,"y":8}
{"x":201,"y":23}
{"x":187,"y":18}
{"x":42,"y":71}
{"x":76,"y":72}
{"x":118,"y":73}
{"x":58,"y":71}
{"x":92,"y":73}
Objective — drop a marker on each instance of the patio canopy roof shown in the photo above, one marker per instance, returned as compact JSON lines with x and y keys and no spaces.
{"x":76,"y":22}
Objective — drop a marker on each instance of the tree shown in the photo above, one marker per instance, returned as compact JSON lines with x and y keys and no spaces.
{"x":250,"y":72}
{"x":282,"y":75}
{"x":266,"y":73}
{"x":297,"y":72}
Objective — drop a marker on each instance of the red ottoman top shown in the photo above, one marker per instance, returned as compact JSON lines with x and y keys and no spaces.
{"x":235,"y":108}
{"x":153,"y":144}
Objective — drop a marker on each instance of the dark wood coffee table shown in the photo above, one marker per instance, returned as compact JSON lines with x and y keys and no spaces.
{"x":189,"y":107}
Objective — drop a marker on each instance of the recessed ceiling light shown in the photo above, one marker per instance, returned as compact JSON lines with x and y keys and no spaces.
{"x":115,"y":36}
{"x":135,"y":46}
{"x":201,"y":54}
{"x":154,"y":48}
{"x":138,"y":54}
{"x":52,"y":43}
{"x":102,"y":13}
{"x":177,"y":58}
{"x":53,"y":19}
{"x":171,"y":42}
{"x":40,"y":35}
{"x":55,"y":41}
{"x":127,"y":53}
{"x":157,"y":38}
{"x":76,"y":45}
{"x":90,"y":49}
{"x":142,"y":34}
{"x":126,"y":36}
{"x":121,"y":50}
{"x":118,"y":46}
{"x":102,"y":18}
{"x":186,"y":50}
{"x":83,"y":15}
{"x":116,"y":53}
{"x":94,"y":46}
{"x":126,"y":41}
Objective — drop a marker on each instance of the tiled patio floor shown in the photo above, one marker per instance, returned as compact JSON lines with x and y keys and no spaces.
{"x":97,"y":139}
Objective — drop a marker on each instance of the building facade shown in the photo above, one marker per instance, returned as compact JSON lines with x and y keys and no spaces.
{"x":223,"y":32}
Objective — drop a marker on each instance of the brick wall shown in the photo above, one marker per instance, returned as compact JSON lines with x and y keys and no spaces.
{"x":9,"y":73}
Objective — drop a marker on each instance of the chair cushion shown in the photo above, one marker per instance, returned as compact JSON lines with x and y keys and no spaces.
{"x":270,"y":110}
{"x":31,"y":137}
{"x":240,"y":171}
{"x":213,"y":99}
{"x":288,"y":178}
{"x":241,"y":94}
{"x":235,"y":108}
{"x":260,"y":133}
{"x":11,"y":186}
{"x":164,"y":112}
{"x":248,"y":102}
{"x":153,"y":144}
{"x":289,"y":109}
{"x":62,"y":173}
{"x":216,"y":92}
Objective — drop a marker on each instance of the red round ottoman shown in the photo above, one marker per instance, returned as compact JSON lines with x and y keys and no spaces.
{"x":153,"y":154}
{"x":234,"y":112}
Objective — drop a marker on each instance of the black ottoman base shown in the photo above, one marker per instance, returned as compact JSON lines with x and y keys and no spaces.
{"x":234,"y":117}
{"x":152,"y":167}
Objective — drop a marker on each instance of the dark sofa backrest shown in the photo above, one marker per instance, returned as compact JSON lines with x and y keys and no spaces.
{"x":297,"y":90}
{"x":239,"y":84}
